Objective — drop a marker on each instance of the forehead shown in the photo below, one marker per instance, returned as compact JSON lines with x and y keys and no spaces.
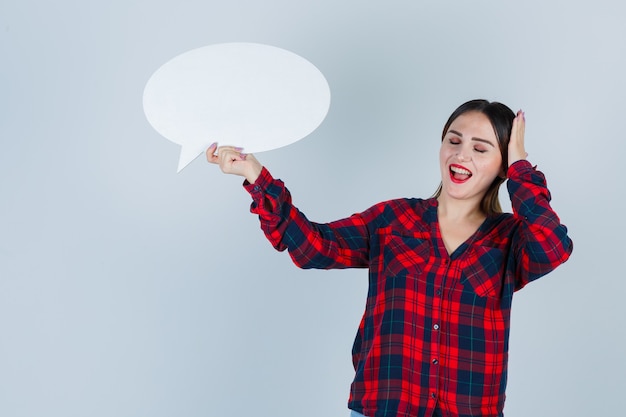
{"x":474,"y":124}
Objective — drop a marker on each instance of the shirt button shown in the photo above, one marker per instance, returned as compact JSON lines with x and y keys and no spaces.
{"x":436,"y":327}
{"x":435,"y":361}
{"x":438,"y":292}
{"x":433,"y":395}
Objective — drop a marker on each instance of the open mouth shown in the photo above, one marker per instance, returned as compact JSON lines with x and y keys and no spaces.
{"x":459,"y":174}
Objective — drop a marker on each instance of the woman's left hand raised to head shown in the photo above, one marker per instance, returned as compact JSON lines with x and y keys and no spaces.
{"x":516,"y":144}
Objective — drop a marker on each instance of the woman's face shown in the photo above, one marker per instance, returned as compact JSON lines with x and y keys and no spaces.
{"x":469,"y":158}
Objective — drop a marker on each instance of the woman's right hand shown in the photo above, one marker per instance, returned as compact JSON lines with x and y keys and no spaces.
{"x":231,"y":160}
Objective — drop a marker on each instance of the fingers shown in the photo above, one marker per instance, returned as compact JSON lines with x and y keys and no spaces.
{"x":210,"y":153}
{"x":519,"y":124}
{"x":217,"y":155}
{"x":229,"y":158}
{"x":517,"y":149}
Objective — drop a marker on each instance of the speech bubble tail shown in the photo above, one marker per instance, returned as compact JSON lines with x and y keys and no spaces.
{"x":187,"y":155}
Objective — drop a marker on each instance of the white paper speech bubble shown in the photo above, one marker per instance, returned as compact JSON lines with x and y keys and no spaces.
{"x":254,"y":96}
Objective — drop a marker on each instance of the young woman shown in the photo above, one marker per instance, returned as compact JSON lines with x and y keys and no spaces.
{"x":433,"y":340}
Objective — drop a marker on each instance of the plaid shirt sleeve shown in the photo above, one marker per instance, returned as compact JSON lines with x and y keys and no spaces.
{"x":541,"y":243}
{"x":340,"y":244}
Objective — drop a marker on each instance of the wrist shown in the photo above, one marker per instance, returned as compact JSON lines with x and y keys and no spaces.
{"x":518,"y":156}
{"x":253,"y":173}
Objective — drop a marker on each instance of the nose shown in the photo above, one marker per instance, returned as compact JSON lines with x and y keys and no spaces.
{"x":461,"y":157}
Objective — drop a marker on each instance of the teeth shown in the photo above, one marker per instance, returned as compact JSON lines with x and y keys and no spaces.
{"x":460,"y":171}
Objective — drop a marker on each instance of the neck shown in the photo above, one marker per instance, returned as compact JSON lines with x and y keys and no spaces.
{"x":459,"y":209}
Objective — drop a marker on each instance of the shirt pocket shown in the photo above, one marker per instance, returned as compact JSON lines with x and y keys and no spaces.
{"x":405,"y":254}
{"x":483,"y":271}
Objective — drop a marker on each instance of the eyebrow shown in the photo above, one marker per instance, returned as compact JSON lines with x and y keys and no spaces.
{"x":474,"y":138}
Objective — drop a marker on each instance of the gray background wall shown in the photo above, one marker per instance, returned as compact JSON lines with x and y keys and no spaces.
{"x":129,"y":290}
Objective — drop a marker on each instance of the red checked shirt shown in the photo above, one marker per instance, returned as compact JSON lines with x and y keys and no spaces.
{"x":436,"y":325}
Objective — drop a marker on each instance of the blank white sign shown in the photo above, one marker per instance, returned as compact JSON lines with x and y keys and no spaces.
{"x":249,"y":95}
